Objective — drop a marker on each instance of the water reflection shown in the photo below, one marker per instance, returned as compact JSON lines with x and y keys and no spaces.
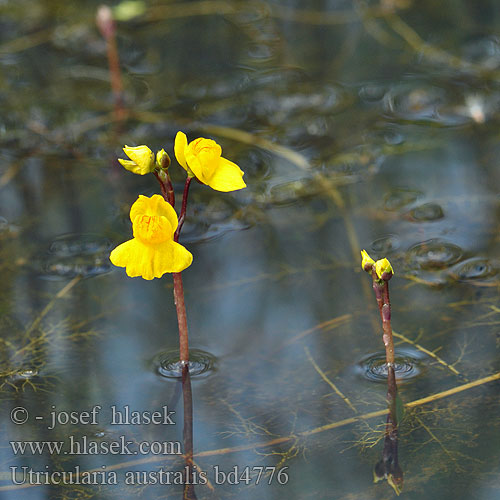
{"x":388,"y":466}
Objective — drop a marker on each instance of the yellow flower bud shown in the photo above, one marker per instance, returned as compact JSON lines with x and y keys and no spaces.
{"x":142,"y":160}
{"x":366,"y":261}
{"x":383,"y":266}
{"x":162,"y":159}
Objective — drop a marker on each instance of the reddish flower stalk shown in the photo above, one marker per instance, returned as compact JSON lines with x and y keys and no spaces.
{"x":167,"y":192}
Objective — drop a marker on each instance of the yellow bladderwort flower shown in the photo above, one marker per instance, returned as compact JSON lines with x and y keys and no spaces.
{"x":152,"y":252}
{"x":383,"y":266}
{"x":142,"y":160}
{"x":366,"y":261}
{"x":202,"y":159}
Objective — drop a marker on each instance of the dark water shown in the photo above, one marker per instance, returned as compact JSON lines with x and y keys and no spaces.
{"x":358,"y":125}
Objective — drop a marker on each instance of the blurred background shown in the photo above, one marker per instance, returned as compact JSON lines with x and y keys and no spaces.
{"x":360,"y":124}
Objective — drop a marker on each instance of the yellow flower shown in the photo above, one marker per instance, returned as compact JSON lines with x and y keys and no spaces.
{"x":383,"y":266}
{"x":366,"y":261}
{"x":143,"y":160}
{"x":202,"y":159}
{"x":152,"y":252}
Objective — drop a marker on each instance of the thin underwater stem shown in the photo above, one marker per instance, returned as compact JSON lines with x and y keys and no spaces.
{"x":181,"y":318}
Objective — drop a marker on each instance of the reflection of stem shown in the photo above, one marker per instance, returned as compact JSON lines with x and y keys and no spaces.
{"x":388,"y":467}
{"x":189,"y":493}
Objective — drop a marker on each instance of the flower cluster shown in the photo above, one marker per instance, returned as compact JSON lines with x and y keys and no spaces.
{"x":382,"y":267}
{"x":154,"y":251}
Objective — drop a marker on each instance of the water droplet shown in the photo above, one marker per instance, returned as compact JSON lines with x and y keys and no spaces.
{"x":71,"y":255}
{"x":434,"y":254}
{"x":167,"y":363}
{"x":400,"y":198}
{"x":426,"y":212}
{"x":475,"y":269}
{"x":386,"y":244}
{"x":408,"y":365}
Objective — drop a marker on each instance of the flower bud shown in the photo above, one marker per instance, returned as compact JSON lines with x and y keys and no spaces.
{"x":384,"y":269}
{"x":142,"y":160}
{"x":162,"y":160}
{"x":366,"y":261}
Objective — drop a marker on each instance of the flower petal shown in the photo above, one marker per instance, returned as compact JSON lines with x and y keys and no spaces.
{"x":131,"y":166}
{"x":227,"y":177}
{"x":180,"y":146}
{"x":170,"y":257}
{"x":155,"y":205}
{"x":143,"y":157}
{"x":133,"y":256}
{"x":151,"y":261}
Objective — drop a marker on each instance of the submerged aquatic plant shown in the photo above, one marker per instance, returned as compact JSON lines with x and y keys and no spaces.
{"x":154,"y":250}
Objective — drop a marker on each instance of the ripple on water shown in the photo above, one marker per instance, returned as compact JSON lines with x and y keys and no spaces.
{"x":421,"y":102}
{"x":434,"y":254}
{"x":409,"y":363}
{"x":73,"y":255}
{"x":385,"y":244}
{"x":475,"y":269}
{"x":201,"y":363}
{"x":400,"y":198}
{"x":425,"y":213}
{"x":212,"y":220}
